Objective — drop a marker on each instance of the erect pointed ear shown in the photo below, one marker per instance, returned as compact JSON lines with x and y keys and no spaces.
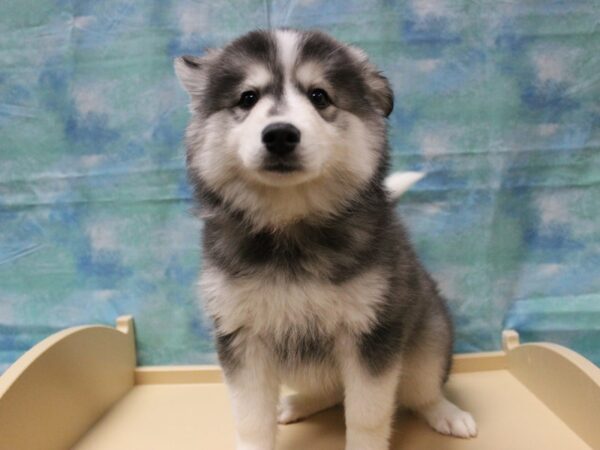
{"x":192,"y":71}
{"x":380,"y":90}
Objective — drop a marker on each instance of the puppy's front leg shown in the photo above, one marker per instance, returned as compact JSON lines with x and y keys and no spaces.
{"x":254,"y":390}
{"x":370,"y":404}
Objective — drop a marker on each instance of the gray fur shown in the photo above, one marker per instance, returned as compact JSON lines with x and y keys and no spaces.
{"x":359,"y":234}
{"x":363,"y":234}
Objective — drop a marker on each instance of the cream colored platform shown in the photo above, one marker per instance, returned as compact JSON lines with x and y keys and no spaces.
{"x":80,"y":389}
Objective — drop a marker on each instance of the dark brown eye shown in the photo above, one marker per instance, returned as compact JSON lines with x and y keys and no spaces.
{"x":248,"y":99}
{"x":319,"y":98}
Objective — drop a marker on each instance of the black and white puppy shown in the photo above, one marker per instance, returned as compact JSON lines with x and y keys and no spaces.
{"x":308,"y":275}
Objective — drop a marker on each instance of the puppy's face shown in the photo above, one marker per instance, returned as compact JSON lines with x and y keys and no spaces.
{"x":284,"y":109}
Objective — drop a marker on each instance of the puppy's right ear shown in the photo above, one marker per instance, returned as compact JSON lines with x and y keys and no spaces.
{"x":191,"y":71}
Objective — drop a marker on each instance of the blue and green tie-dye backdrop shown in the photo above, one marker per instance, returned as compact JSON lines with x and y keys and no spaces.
{"x":498,"y":101}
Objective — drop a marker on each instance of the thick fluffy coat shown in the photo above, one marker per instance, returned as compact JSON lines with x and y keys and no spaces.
{"x":308,"y":274}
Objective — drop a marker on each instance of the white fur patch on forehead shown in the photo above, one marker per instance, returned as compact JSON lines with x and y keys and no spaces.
{"x":287,"y":46}
{"x":310,"y":74}
{"x":258,"y":76}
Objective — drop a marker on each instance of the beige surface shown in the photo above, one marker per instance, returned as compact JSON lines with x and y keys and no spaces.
{"x":178,"y":374}
{"x":59,"y":388}
{"x":196,"y":416}
{"x":567,"y":382}
{"x":81,"y":385}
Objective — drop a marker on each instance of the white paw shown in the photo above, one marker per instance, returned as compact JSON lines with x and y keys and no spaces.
{"x":447,"y":418}
{"x":293,"y":408}
{"x":460,"y":425}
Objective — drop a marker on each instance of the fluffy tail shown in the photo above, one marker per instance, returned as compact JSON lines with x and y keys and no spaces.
{"x":399,"y":182}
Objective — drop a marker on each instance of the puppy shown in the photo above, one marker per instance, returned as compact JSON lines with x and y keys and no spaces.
{"x":308,"y":275}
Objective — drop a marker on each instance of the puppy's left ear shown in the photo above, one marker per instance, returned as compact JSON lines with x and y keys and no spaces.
{"x":380,"y":90}
{"x":383,"y":95}
{"x":191,"y":71}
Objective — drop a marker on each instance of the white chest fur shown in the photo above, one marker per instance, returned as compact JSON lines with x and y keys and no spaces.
{"x":275,"y":306}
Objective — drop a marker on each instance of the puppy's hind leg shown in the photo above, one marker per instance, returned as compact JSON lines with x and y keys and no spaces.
{"x":447,"y":418}
{"x":296,"y":407}
{"x":421,"y":390}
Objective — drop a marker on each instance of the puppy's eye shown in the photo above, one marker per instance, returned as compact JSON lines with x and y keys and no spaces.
{"x":319,"y":98}
{"x":248,"y":99}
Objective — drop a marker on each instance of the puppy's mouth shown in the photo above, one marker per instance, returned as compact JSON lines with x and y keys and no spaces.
{"x":281,"y":167}
{"x":282,"y":170}
{"x":281,"y":164}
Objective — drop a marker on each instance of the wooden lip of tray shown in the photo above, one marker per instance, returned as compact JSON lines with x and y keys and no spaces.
{"x":64,"y":386}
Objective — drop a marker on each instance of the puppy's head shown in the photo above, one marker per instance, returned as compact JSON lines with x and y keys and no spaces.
{"x":285,"y":123}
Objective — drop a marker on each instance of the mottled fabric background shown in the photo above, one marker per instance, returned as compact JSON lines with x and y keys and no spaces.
{"x":498,"y":101}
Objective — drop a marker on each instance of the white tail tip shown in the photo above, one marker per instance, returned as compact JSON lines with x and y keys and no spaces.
{"x":399,"y":182}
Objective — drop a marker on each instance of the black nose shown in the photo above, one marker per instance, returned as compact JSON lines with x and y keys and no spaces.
{"x":281,"y":138}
